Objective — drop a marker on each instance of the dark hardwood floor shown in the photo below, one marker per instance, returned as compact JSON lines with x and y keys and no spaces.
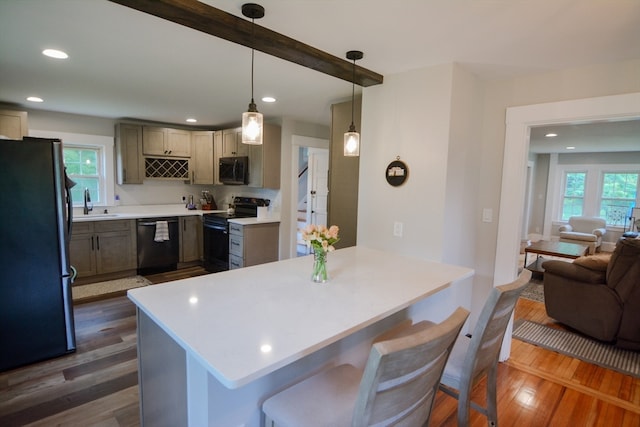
{"x":97,"y":385}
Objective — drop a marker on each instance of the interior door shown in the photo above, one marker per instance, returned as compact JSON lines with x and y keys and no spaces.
{"x":318,"y":185}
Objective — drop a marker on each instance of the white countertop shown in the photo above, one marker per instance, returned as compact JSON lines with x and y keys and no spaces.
{"x":250,"y":221}
{"x":157,"y":211}
{"x":225,"y":319}
{"x":139,"y":211}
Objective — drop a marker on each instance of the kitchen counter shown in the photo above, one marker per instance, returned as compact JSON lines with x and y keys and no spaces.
{"x":140,"y":211}
{"x":255,"y":220}
{"x":231,"y":339}
{"x":157,"y":211}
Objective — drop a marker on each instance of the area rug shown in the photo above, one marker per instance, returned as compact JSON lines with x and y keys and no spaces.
{"x":578,"y":346}
{"x":98,"y":290}
{"x":534,"y":291}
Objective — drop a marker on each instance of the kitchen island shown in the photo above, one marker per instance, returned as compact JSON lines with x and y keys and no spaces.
{"x":212,"y":348}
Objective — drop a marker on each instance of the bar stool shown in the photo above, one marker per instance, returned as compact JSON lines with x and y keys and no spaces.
{"x":472,"y":359}
{"x":398,"y":385}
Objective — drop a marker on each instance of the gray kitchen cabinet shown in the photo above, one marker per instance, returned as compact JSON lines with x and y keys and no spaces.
{"x":81,"y":249}
{"x":253,"y":244}
{"x":190,"y":238}
{"x":217,"y":152}
{"x":102,"y":247}
{"x":232,"y":145}
{"x":202,"y":153}
{"x":166,"y":142}
{"x":13,"y":124}
{"x":264,"y":160}
{"x":129,"y":160}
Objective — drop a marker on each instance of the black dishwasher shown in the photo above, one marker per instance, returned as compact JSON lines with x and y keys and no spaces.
{"x":158,"y":244}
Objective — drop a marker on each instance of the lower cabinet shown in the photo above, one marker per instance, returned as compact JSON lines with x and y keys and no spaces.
{"x":102,"y":247}
{"x":253,"y":244}
{"x":190,"y":238}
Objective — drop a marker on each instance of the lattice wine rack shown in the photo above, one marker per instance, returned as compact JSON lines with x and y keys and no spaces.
{"x":166,"y":168}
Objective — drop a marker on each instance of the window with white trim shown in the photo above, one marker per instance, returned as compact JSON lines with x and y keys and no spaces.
{"x":573,"y":194}
{"x":84,"y":168}
{"x":605,"y":191}
{"x":618,"y":195}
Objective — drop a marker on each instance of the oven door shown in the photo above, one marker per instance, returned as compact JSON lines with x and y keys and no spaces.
{"x":216,"y":247}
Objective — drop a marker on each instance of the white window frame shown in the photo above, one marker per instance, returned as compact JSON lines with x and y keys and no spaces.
{"x":593,"y":187}
{"x":100,"y":198}
{"x":634,"y":169}
{"x":105,"y":147}
{"x":563,"y":190}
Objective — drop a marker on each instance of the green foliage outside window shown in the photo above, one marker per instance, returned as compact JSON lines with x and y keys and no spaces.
{"x":84,"y":169}
{"x":573,"y":200}
{"x":619,"y":191}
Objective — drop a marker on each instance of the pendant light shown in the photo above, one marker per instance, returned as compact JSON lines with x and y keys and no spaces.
{"x":352,"y":137}
{"x":252,"y":129}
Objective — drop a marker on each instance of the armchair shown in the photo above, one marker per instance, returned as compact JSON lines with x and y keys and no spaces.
{"x":584,"y":230}
{"x":598,"y":295}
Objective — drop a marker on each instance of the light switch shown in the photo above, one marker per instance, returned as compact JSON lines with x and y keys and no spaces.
{"x":397,"y":229}
{"x":487,"y":215}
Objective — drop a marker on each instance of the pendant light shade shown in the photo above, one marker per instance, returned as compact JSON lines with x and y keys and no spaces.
{"x":252,"y":126}
{"x":352,"y":137}
{"x":252,"y":129}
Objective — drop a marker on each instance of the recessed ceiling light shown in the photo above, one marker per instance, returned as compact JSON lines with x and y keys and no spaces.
{"x":35,"y":99}
{"x":551,"y":135}
{"x":191,"y":120}
{"x":268,"y":99}
{"x":570,"y":148}
{"x":54,"y":53}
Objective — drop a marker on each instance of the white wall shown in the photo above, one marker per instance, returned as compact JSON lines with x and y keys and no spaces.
{"x":416,"y":115}
{"x":407,"y":116}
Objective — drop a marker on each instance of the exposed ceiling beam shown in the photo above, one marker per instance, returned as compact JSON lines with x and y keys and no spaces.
{"x":202,"y":17}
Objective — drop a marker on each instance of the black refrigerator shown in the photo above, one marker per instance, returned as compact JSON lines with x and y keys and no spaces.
{"x":36,"y":310}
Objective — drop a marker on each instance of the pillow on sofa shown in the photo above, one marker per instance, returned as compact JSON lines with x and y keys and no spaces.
{"x":597,"y":262}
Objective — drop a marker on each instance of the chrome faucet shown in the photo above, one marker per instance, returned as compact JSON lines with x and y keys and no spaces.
{"x":87,"y":200}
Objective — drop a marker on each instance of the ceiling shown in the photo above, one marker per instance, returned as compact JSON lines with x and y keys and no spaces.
{"x":125,"y":63}
{"x":610,"y":136}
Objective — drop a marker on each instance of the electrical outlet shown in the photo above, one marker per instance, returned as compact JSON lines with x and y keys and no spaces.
{"x":397,"y":229}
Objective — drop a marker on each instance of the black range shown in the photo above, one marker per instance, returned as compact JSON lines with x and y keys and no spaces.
{"x":216,"y":231}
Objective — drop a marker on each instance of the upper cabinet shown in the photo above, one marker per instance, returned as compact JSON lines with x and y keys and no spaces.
{"x":159,"y":141}
{"x":264,"y":160}
{"x":202,"y":143}
{"x":129,"y":161}
{"x":13,"y":124}
{"x":151,"y":152}
{"x":232,"y":145}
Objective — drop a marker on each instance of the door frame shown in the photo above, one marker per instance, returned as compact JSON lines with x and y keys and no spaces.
{"x":298,"y":141}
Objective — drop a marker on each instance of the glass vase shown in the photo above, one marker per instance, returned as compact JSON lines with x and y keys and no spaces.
{"x":319,"y":274}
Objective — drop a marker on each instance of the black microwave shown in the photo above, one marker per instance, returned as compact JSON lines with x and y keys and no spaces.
{"x":234,"y":170}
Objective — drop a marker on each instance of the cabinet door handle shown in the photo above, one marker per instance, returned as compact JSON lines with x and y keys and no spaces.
{"x":92,"y":248}
{"x":98,"y":242}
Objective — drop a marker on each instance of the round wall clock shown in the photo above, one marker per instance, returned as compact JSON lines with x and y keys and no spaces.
{"x":397,"y":172}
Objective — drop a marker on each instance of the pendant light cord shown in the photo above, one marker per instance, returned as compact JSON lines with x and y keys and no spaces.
{"x":253,"y":39}
{"x":353,"y":92}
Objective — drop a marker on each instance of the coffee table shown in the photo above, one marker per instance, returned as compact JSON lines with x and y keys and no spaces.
{"x":558,"y":249}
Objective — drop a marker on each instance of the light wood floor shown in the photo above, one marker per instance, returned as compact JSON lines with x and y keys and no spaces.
{"x":97,"y":385}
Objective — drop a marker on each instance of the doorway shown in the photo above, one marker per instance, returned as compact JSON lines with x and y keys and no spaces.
{"x":309,"y":188}
{"x":519,"y":121}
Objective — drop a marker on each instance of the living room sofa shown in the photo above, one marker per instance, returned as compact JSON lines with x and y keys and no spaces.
{"x":598,"y":295}
{"x":584,"y":230}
